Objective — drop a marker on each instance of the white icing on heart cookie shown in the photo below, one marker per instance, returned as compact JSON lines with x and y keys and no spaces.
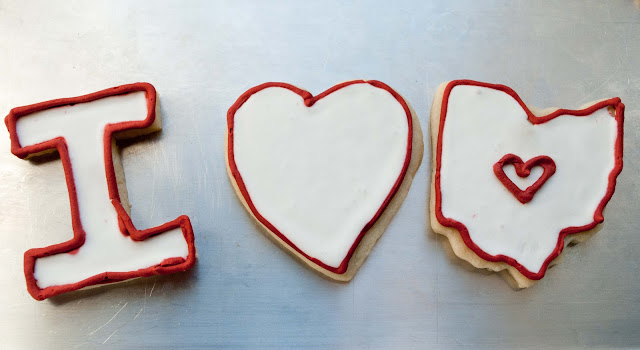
{"x":321,"y":169}
{"x":481,"y":123}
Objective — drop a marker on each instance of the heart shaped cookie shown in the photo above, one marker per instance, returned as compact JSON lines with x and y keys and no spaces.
{"x":325,"y":174}
{"x":473,"y":124}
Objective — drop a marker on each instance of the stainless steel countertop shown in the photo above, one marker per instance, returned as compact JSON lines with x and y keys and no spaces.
{"x":245,"y":291}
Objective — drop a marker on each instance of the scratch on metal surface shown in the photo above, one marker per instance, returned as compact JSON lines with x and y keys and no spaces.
{"x":139,"y":312}
{"x":114,"y":316}
{"x":602,"y":85}
{"x":154,"y":286}
{"x":144,"y":304}
{"x":153,"y":185}
{"x":109,"y":337}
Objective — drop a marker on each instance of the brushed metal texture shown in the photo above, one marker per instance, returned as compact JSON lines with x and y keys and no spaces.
{"x":246,"y":292}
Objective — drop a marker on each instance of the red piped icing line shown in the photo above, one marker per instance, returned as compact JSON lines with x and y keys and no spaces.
{"x":309,"y":100}
{"x":167,"y":266}
{"x":597,"y":215}
{"x":523,"y":170}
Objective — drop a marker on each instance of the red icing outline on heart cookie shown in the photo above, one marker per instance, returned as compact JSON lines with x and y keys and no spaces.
{"x":170,"y":265}
{"x":523,"y":170}
{"x":309,"y":100}
{"x":597,"y":215}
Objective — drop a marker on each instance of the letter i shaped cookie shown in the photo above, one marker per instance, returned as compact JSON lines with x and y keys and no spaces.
{"x":511,"y":184}
{"x":105,"y":247}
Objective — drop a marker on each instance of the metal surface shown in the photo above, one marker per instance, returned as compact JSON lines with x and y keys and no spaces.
{"x":247,"y":292}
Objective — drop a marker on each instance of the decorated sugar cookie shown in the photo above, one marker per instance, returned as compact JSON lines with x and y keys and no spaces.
{"x":106,"y":247}
{"x":512,"y":184}
{"x":324,"y":174}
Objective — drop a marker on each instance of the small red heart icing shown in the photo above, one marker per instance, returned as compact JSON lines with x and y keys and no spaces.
{"x":523,"y":169}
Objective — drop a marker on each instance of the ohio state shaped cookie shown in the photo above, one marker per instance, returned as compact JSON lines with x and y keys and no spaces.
{"x":513,"y":184}
{"x":106,"y":247}
{"x":323,"y":175}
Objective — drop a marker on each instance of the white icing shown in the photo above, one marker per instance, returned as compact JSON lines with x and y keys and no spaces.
{"x":105,"y":248}
{"x":320,"y":174}
{"x":523,"y":182}
{"x":484,"y":124}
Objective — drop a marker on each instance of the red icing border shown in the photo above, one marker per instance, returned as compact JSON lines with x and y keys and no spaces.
{"x":309,"y":100}
{"x":167,"y":266}
{"x":523,"y":170}
{"x":597,"y":215}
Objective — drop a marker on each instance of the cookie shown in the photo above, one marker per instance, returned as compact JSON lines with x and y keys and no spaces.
{"x":323,"y":175}
{"x":511,"y":185}
{"x":106,"y":247}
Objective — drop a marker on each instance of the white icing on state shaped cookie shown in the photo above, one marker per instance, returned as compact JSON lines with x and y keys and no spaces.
{"x":482,"y":124}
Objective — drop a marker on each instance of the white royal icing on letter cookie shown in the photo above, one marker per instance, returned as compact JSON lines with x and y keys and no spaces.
{"x":105,"y":248}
